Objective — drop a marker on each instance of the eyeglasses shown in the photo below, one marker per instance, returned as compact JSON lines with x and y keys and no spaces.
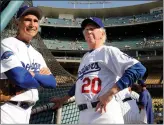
{"x":89,"y":29}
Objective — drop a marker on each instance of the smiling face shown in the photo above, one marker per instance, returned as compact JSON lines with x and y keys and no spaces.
{"x":27,"y":27}
{"x":93,"y":36}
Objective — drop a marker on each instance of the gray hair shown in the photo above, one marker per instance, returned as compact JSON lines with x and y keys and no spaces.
{"x":104,"y":37}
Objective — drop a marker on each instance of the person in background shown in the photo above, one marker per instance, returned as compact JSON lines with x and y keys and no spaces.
{"x":145,"y":102}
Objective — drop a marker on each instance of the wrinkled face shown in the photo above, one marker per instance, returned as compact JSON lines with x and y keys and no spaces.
{"x":28,"y":26}
{"x":93,"y":35}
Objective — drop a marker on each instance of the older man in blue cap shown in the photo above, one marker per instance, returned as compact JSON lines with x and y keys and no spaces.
{"x":103,"y":71}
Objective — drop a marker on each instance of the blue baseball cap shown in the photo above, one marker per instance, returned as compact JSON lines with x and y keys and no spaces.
{"x":93,"y":20}
{"x":142,"y":83}
{"x":24,"y":10}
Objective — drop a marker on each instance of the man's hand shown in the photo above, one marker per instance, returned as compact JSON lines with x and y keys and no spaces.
{"x":44,"y":71}
{"x":59,"y":101}
{"x":106,"y":98}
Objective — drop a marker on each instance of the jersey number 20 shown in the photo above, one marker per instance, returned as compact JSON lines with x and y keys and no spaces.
{"x":87,"y":82}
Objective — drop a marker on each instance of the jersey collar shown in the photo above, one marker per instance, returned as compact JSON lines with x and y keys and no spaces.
{"x":27,"y":44}
{"x":90,"y":50}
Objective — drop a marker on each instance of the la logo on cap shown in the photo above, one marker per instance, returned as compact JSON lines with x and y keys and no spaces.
{"x":91,"y":18}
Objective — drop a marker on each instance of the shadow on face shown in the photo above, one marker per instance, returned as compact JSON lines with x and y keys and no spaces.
{"x":27,"y":26}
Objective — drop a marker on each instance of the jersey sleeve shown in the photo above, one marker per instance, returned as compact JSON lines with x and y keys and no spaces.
{"x":71,"y":92}
{"x":118,"y":61}
{"x":9,"y":58}
{"x":143,"y":100}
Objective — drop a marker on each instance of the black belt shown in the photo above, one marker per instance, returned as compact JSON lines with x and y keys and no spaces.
{"x":84,"y":106}
{"x":24,"y":105}
{"x":127,"y":99}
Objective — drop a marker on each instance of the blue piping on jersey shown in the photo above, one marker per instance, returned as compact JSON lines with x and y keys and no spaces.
{"x":81,"y":77}
{"x":28,"y":45}
{"x":22,"y":78}
{"x":130,"y":76}
{"x":46,"y":80}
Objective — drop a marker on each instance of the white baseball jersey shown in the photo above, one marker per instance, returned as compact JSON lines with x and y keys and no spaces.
{"x":134,"y":95}
{"x":130,"y":109}
{"x":98,"y":72}
{"x":15,"y":53}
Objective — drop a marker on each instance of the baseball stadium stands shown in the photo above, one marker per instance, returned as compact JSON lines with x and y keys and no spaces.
{"x":154,"y":78}
{"x":123,"y":44}
{"x":48,"y":41}
{"x":112,"y":21}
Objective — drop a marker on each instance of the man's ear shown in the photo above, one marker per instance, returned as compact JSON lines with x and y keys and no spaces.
{"x":103,"y":33}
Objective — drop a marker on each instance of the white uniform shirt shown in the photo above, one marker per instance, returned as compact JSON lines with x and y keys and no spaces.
{"x":22,"y":56}
{"x":135,"y":95}
{"x":99,"y":70}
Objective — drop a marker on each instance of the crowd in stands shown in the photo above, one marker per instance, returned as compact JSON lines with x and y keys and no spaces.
{"x":158,"y":110}
{"x":65,"y":44}
{"x":112,"y":21}
{"x":152,"y":41}
{"x":130,"y":43}
{"x":134,"y":19}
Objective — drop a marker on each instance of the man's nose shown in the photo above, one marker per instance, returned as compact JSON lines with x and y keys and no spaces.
{"x":89,"y":32}
{"x":32,"y":23}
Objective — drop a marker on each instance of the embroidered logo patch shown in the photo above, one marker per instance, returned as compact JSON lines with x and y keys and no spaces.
{"x":6,"y":55}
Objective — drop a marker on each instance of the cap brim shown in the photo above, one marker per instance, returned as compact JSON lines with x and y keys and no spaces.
{"x":33,"y":10}
{"x":88,"y":21}
{"x":141,"y":82}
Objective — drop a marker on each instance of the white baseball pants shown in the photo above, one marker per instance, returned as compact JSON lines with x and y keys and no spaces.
{"x":13,"y":114}
{"x":130,"y":110}
{"x":112,"y":116}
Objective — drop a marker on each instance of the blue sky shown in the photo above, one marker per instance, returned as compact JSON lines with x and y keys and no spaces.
{"x":68,"y":4}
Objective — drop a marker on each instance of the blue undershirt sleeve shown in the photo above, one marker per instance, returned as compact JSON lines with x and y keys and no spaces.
{"x":71,"y":92}
{"x":46,"y":80}
{"x":143,"y":99}
{"x":21,"y":77}
{"x":130,"y":76}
